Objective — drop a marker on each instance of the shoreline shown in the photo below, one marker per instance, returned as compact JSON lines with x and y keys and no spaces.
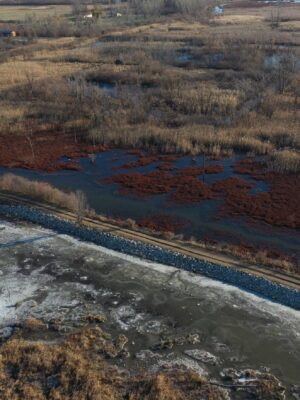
{"x":258,"y":285}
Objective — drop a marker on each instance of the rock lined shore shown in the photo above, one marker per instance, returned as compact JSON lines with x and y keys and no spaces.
{"x":258,"y":285}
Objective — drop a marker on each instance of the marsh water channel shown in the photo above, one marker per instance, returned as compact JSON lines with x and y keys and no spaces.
{"x":213,"y":326}
{"x":202,"y":220}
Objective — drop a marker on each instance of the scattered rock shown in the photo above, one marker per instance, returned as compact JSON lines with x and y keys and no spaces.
{"x":295,"y":392}
{"x":145,"y":355}
{"x":154,"y":327}
{"x":172,"y":362}
{"x":203,"y":356}
{"x":169,"y":342}
{"x":193,"y":338}
{"x":258,"y":384}
{"x":221,"y":347}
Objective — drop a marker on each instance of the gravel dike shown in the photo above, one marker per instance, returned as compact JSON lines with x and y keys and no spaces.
{"x":258,"y":285}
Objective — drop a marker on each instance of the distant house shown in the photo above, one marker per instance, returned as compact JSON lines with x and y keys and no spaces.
{"x":8,"y":33}
{"x":218,"y":10}
{"x":88,"y":16}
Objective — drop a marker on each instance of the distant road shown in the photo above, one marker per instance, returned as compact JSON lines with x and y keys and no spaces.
{"x":196,"y":251}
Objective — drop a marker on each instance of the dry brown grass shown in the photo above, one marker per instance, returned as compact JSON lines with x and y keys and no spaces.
{"x":252,"y":255}
{"x":286,"y":161}
{"x":76,"y":370}
{"x":26,"y":367}
{"x":20,"y":13}
{"x":34,"y":325}
{"x":18,"y":73}
{"x":39,"y":191}
{"x":190,"y":109}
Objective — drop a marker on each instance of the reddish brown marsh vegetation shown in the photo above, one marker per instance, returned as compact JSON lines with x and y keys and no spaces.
{"x":232,"y":184}
{"x":280,"y":205}
{"x":145,"y":160}
{"x":196,"y":171}
{"x":162,"y":223}
{"x":43,"y":152}
{"x":184,"y":187}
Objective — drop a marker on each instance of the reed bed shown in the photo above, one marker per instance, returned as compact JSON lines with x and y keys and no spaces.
{"x":220,"y":99}
{"x":39,"y":190}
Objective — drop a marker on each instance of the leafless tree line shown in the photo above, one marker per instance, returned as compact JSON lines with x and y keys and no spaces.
{"x":199,"y":8}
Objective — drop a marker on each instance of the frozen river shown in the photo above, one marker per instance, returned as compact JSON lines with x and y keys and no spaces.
{"x":212,"y":326}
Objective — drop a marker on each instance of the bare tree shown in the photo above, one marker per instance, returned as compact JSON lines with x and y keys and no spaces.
{"x":28,"y":136}
{"x":30,"y":81}
{"x":79,"y":9}
{"x":96,"y":12}
{"x":276,"y":16}
{"x":195,"y":8}
{"x":284,"y":69}
{"x":80,"y":205}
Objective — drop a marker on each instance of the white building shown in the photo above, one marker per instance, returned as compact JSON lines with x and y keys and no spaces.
{"x":219,"y":10}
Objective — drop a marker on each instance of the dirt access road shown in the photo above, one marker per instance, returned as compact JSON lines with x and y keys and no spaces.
{"x":283,"y":278}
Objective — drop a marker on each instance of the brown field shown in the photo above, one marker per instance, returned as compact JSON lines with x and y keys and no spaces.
{"x":175,"y":84}
{"x":20,"y":13}
{"x":170,"y":83}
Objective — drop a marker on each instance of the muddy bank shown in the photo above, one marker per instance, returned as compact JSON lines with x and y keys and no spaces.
{"x":243,"y":280}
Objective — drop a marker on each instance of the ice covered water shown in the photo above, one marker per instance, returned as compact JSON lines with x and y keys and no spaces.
{"x":50,"y":276}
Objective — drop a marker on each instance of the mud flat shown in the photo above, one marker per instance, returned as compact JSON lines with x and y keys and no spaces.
{"x":258,"y":285}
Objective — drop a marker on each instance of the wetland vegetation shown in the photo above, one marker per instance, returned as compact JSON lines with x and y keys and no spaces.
{"x":164,"y":79}
{"x":168,"y":119}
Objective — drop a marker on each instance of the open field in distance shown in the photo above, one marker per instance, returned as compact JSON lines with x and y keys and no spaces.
{"x":20,"y":13}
